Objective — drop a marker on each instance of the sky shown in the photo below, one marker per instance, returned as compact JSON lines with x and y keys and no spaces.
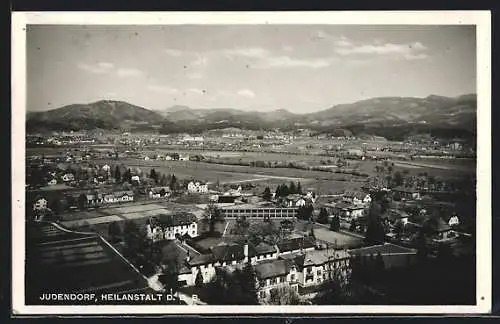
{"x":301,"y":68}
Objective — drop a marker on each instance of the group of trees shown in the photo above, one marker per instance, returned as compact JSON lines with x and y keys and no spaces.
{"x":236,"y":288}
{"x":212,"y":216}
{"x":284,"y":190}
{"x":375,"y":231}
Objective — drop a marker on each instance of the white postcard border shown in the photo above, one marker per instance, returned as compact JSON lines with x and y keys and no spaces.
{"x":482,"y":20}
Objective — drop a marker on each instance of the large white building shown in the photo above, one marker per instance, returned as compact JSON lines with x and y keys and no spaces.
{"x":170,"y":227}
{"x":197,"y":187}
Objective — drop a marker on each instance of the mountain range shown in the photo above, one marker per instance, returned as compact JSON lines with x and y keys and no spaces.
{"x":391,"y":117}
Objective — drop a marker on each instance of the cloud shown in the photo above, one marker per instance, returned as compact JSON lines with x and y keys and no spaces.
{"x":287,"y":48}
{"x":162,"y":89}
{"x":319,"y":34}
{"x":410,"y":51}
{"x":246,"y":93}
{"x":251,"y":52}
{"x":201,"y":60}
{"x":173,"y":52}
{"x":196,"y":91}
{"x":97,"y":68}
{"x":288,"y":62}
{"x":343,"y":41}
{"x":194,"y":76}
{"x":128,"y":72}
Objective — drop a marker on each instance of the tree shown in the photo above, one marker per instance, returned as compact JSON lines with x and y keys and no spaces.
{"x":163,"y":180}
{"x":170,"y":278}
{"x":305,"y":212}
{"x":114,"y":231}
{"x":284,"y":295}
{"x":335,"y":224}
{"x":292,"y":189}
{"x":267,"y":194}
{"x":199,"y":280}
{"x":117,"y":175}
{"x":399,"y":229}
{"x":153,"y":175}
{"x":173,"y":183}
{"x":56,"y":206}
{"x":398,"y":179}
{"x":127,"y":176}
{"x":82,"y":201}
{"x":375,"y":233}
{"x":248,"y":283}
{"x":323,"y":216}
{"x":299,"y":188}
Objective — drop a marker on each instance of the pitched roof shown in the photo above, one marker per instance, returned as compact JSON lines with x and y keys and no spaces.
{"x":384,"y":249}
{"x":263,"y":248}
{"x":296,"y":244}
{"x":179,"y":219}
{"x":271,"y":269}
{"x":159,"y":189}
{"x":442,"y":226}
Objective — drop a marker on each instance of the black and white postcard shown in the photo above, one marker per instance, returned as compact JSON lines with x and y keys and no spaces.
{"x":251,"y":162}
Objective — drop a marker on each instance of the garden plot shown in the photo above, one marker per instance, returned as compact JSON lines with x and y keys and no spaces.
{"x":146,"y":213}
{"x":92,"y":221}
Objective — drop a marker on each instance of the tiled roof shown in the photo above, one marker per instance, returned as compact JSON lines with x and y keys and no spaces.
{"x":296,"y":244}
{"x":271,"y":269}
{"x":62,"y":261}
{"x":263,"y":248}
{"x":179,"y":219}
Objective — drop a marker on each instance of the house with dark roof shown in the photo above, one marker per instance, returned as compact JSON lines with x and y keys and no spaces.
{"x":296,"y":244}
{"x":444,"y":232}
{"x":348,"y":211}
{"x":272,"y":274}
{"x":393,"y":255}
{"x":406,"y":193}
{"x":159,"y":192}
{"x":316,"y":267}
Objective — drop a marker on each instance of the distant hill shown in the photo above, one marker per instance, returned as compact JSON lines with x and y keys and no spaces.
{"x":390,"y":117}
{"x":105,"y":114}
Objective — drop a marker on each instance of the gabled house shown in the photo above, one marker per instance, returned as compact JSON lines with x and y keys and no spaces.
{"x":348,"y":211}
{"x":197,"y":187}
{"x":40,"y":203}
{"x":159,"y":192}
{"x":406,"y":193}
{"x":274,"y":274}
{"x":52,"y":182}
{"x":357,"y":198}
{"x":444,"y":232}
{"x":67,"y":177}
{"x":170,"y":227}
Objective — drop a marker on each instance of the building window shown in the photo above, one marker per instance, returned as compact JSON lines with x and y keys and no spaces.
{"x":318,"y":272}
{"x":262,"y":294}
{"x":292,"y":277}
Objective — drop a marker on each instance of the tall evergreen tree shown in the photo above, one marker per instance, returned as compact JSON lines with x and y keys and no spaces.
{"x":199,"y":280}
{"x":267,"y":194}
{"x":153,"y":175}
{"x":117,"y":175}
{"x":299,"y":188}
{"x":335,"y":224}
{"x":292,"y":189}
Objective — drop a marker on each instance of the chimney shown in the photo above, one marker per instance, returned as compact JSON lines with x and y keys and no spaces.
{"x":245,"y":252}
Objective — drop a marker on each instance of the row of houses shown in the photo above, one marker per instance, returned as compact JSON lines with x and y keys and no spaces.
{"x":297,"y":263}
